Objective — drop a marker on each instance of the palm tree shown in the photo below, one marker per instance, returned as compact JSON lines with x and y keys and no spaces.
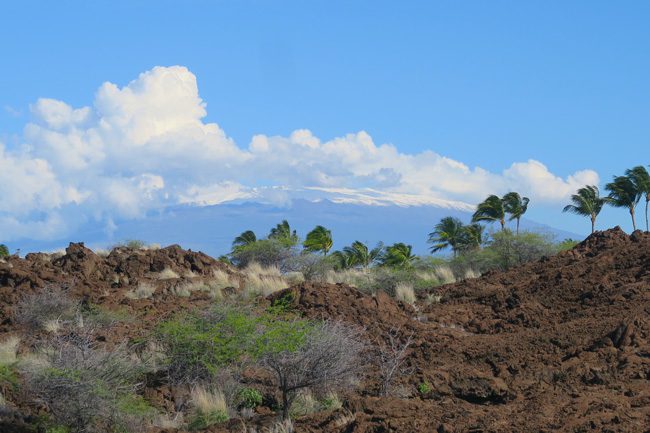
{"x":362,"y":255}
{"x":344,"y":259}
{"x":448,"y":232}
{"x":587,"y":202}
{"x":319,"y":239}
{"x":515,"y":205}
{"x":282,"y":233}
{"x":243,"y":240}
{"x":623,"y":193}
{"x":471,"y":237}
{"x":490,"y":210}
{"x":398,"y":255}
{"x":641,"y":180}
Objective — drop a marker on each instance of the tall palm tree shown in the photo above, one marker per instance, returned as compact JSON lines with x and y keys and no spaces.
{"x":587,"y":202}
{"x":362,"y":255}
{"x":282,"y":233}
{"x":490,"y":210}
{"x":448,"y":232}
{"x":641,"y":180}
{"x":623,"y":193}
{"x":319,"y":239}
{"x":399,"y":255}
{"x":243,"y":240}
{"x":515,"y":205}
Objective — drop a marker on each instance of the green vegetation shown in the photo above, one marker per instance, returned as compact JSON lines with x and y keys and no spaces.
{"x":587,"y":202}
{"x":424,"y":388}
{"x":318,"y":240}
{"x":624,"y":193}
{"x":491,"y":209}
{"x":249,"y":398}
{"x":4,"y":251}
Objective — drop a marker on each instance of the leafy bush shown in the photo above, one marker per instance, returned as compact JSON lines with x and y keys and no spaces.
{"x":4,"y":251}
{"x":266,"y":252}
{"x":249,"y":398}
{"x":505,"y":250}
{"x":298,"y":353}
{"x":199,"y":345}
{"x":83,"y":385}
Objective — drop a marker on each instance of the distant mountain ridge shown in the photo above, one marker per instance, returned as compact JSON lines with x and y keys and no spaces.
{"x":211,"y":229}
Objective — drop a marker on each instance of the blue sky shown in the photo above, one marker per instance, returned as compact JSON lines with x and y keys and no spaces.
{"x":486,"y":84}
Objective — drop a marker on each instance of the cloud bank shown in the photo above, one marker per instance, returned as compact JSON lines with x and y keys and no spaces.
{"x":145,"y":146}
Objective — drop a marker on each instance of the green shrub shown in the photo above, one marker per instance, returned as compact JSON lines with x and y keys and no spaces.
{"x":57,"y":429}
{"x":199,"y":346}
{"x":424,"y":388}
{"x":504,"y":251}
{"x":9,"y":376}
{"x":249,"y":398}
{"x":202,"y":420}
{"x":4,"y":251}
{"x":133,"y":404}
{"x":265,"y":252}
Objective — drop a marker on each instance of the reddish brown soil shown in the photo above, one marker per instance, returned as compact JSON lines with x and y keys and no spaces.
{"x":562,"y":344}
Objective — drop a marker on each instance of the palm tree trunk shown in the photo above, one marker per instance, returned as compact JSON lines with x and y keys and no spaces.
{"x":517,"y":226}
{"x":593,"y":224}
{"x":503,"y":223}
{"x":647,"y":200}
{"x":633,"y":219}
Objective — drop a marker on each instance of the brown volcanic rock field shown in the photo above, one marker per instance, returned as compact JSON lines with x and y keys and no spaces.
{"x":562,"y":344}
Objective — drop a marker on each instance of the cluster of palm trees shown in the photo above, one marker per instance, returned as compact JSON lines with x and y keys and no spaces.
{"x":624,"y":192}
{"x":319,"y":240}
{"x":451,"y":233}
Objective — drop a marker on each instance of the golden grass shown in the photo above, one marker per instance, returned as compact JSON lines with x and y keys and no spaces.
{"x":168,"y":274}
{"x":144,"y":291}
{"x":8,"y":350}
{"x":404,"y":292}
{"x":445,"y":274}
{"x":207,"y":401}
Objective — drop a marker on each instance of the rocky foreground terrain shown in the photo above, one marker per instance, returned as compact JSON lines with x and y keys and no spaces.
{"x":561,"y":344}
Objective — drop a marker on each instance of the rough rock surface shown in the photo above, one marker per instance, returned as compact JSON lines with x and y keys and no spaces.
{"x":561,"y":344}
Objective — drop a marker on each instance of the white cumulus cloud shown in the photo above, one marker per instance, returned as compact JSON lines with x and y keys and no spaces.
{"x":146,"y":145}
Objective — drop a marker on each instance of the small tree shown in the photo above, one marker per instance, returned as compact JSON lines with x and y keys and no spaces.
{"x":315,"y":356}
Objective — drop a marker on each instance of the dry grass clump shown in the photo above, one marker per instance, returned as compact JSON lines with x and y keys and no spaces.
{"x":294,"y":277}
{"x":209,"y":407}
{"x":305,"y":404}
{"x":144,"y":291}
{"x":261,"y":281}
{"x":167,"y":421}
{"x":257,"y":269}
{"x":51,"y":304}
{"x":101,"y":252}
{"x":184,"y":290}
{"x":8,"y":350}
{"x":263,"y":285}
{"x":168,"y":274}
{"x":350,"y":277}
{"x":445,"y":274}
{"x":471,"y":273}
{"x":214,"y":286}
{"x":433,"y":299}
{"x":427,"y":276}
{"x":404,"y":292}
